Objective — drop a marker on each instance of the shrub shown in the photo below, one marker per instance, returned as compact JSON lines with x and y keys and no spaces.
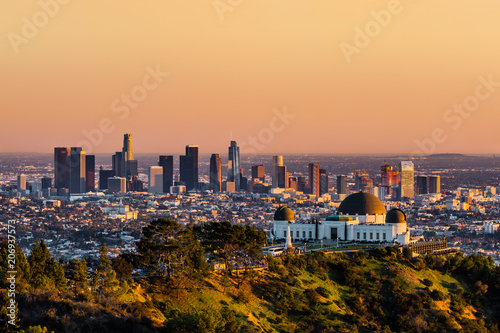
{"x":323,"y":292}
{"x":427,"y":282}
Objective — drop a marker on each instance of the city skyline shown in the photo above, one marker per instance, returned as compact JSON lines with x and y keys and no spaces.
{"x":402,"y":78}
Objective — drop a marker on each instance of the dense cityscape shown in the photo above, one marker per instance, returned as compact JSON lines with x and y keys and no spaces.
{"x":76,"y":207}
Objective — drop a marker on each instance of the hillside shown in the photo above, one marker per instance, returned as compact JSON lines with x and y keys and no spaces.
{"x":378,"y":291}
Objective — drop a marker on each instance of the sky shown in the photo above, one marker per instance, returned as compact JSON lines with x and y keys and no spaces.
{"x":277,"y":76}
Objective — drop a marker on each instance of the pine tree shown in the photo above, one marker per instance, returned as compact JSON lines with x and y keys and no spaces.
{"x":105,"y":273}
{"x":39,"y":265}
{"x":56,"y":273}
{"x":21,"y":265}
{"x":78,"y":275}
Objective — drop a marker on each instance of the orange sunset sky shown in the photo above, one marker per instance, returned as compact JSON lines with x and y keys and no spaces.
{"x":231,"y":63}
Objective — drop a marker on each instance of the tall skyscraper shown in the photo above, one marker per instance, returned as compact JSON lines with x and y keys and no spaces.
{"x":104,"y":175}
{"x":215,"y":173}
{"x":407,"y":179}
{"x":77,"y":170}
{"x":314,"y":179}
{"x":70,"y":169}
{"x":167,"y":163}
{"x":189,"y":167}
{"x":434,"y":184}
{"x":233,"y":165}
{"x":123,"y":161}
{"x":155,"y":179}
{"x":46,"y":182}
{"x":21,"y":182}
{"x":422,"y":185}
{"x":388,"y":175}
{"x":117,"y":163}
{"x":128,"y":153}
{"x":61,"y":167}
{"x":342,"y":187}
{"x":89,"y":173}
{"x":282,"y":177}
{"x":323,"y":181}
{"x":129,"y":165}
{"x":277,"y":162}
{"x":259,"y":172}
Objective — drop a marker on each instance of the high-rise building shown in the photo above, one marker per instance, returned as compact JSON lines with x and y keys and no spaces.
{"x":89,"y":173}
{"x":129,"y":165}
{"x":167,"y":163}
{"x":388,"y":176}
{"x":314,"y":179}
{"x":104,"y":175}
{"x":301,"y":183}
{"x":363,"y":182}
{"x":259,"y":172}
{"x":407,"y":179}
{"x":243,"y":181}
{"x":155,"y":179}
{"x":277,"y":162}
{"x":128,"y":153}
{"x":77,"y":170}
{"x":69,"y":169}
{"x":342,"y":187}
{"x":117,"y":185}
{"x":215,"y":173}
{"x":282,"y":177}
{"x":422,"y":185}
{"x":46,"y":182}
{"x":21,"y":182}
{"x":61,"y":167}
{"x":123,"y":161}
{"x":189,"y":167}
{"x":323,"y":181}
{"x":233,"y":165}
{"x":117,"y":162}
{"x":434,"y":184}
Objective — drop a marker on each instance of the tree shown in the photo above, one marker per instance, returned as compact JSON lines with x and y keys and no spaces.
{"x":122,"y":267}
{"x":21,"y":265}
{"x":38,"y":261}
{"x":45,"y":271}
{"x":220,"y":239}
{"x":165,"y":247}
{"x":105,"y":276}
{"x":78,"y":275}
{"x":232,"y":244}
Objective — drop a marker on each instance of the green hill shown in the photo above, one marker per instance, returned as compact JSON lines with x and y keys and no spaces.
{"x":377,"y":291}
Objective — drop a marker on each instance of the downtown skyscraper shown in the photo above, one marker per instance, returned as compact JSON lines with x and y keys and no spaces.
{"x":188,"y":165}
{"x":407,"y":179}
{"x":314,"y":182}
{"x":277,"y":162}
{"x":342,"y":187}
{"x":70,"y":170}
{"x":123,"y":162}
{"x":233,"y":165}
{"x":167,"y":163}
{"x":215,"y":173}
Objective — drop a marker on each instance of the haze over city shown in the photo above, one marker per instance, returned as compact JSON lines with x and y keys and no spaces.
{"x":380,"y":90}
